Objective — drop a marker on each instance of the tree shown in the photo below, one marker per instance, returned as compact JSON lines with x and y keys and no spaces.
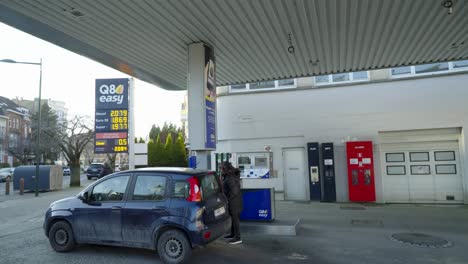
{"x":111,"y":157}
{"x":22,"y":151}
{"x":74,"y":139}
{"x":154,"y":132}
{"x":49,"y":147}
{"x":169,"y":151}
{"x":88,"y":152}
{"x":160,"y":153}
{"x":179,"y":153}
{"x":151,"y":153}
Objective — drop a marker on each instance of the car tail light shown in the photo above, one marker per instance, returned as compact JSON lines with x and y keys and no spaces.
{"x":207,"y":235}
{"x":195,"y":192}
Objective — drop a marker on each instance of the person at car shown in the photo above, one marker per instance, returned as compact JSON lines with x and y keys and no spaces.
{"x":231,"y":185}
{"x":107,"y":169}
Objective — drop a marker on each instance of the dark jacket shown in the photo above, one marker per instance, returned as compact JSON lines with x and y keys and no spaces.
{"x":231,"y":186}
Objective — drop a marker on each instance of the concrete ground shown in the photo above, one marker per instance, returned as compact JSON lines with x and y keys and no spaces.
{"x":330,"y":233}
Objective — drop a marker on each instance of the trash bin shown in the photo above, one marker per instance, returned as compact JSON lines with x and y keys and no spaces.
{"x":50,"y":177}
{"x":258,"y":204}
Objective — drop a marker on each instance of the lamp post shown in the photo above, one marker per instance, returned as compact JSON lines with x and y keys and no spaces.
{"x":39,"y":123}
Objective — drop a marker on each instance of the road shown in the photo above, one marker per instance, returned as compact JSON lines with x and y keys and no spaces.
{"x":331,"y":233}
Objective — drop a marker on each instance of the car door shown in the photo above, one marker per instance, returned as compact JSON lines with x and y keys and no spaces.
{"x":145,"y":209}
{"x":100,"y":219}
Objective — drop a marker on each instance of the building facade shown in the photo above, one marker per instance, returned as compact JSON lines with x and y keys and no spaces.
{"x":16,"y":147}
{"x":416,"y":118}
{"x":58,"y":107}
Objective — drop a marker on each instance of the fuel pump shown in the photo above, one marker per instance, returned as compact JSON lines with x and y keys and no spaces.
{"x":328,"y":174}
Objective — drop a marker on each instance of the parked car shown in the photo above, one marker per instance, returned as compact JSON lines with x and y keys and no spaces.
{"x":66,"y":170}
{"x":6,"y":173}
{"x":170,"y":210}
{"x":98,"y":170}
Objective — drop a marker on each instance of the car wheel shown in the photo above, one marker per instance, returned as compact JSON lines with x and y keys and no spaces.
{"x":61,"y":237}
{"x":89,"y":178}
{"x":173,"y":247}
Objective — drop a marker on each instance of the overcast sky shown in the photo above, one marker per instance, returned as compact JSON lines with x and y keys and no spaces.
{"x":70,"y":78}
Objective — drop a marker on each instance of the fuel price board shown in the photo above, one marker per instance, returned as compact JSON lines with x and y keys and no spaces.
{"x":111,"y":117}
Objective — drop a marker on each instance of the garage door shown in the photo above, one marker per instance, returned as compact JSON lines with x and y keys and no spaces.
{"x":422,"y":172}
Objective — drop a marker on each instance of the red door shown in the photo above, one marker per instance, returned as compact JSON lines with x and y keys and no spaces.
{"x":360,"y":161}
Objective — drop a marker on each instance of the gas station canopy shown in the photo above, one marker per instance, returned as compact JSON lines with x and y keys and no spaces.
{"x":253,"y":40}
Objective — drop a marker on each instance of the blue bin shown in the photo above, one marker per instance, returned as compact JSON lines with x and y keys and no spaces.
{"x":50,"y":177}
{"x":258,"y":204}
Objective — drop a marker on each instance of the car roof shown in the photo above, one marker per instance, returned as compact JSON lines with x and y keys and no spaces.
{"x":175,"y":170}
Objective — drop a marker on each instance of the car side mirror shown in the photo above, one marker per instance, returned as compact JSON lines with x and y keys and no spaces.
{"x":84,"y":197}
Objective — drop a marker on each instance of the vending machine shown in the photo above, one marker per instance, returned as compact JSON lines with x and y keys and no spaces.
{"x":360,"y":171}
{"x":313,"y":156}
{"x":328,"y":174}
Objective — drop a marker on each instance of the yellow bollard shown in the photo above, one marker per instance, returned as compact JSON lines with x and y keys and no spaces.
{"x":21,"y":186}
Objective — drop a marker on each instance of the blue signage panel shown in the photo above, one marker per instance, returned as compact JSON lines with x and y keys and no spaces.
{"x":111,"y":116}
{"x":210,"y":99}
{"x":112,"y":93}
{"x":257,"y":204}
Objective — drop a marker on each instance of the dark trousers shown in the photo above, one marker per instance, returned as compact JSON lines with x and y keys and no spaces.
{"x":235,"y":228}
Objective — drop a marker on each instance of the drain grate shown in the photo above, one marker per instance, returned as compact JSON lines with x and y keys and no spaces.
{"x":421,"y":240}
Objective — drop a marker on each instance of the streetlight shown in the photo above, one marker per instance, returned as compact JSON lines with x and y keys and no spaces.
{"x":39,"y":124}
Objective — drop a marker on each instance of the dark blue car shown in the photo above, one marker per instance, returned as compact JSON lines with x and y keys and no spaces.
{"x":171,"y":210}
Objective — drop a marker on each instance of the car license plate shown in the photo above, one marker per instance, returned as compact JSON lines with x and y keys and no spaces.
{"x":219,"y":211}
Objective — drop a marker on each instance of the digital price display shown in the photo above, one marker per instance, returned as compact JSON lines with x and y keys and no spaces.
{"x":119,"y":119}
{"x":111,"y":122}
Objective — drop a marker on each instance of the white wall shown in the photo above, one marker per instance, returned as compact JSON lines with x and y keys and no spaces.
{"x":337,"y":114}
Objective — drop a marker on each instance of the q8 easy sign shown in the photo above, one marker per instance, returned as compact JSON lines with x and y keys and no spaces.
{"x":111,"y":116}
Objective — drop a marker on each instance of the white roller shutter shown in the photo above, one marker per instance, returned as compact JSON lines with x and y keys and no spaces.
{"x":421,"y":166}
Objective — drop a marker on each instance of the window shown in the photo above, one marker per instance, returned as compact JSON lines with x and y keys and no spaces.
{"x":401,"y":70}
{"x":210,"y":185}
{"x":396,"y":170}
{"x":285,"y":83}
{"x":395,"y":157}
{"x":322,"y":79}
{"x":342,"y":78}
{"x":239,"y":86}
{"x":262,"y":85}
{"x":362,"y":75}
{"x":112,"y":189}
{"x":444,"y":155}
{"x":460,"y":64}
{"x":149,"y":187}
{"x":433,"y":67}
{"x":420,"y":170}
{"x":446,"y":169}
{"x":181,"y":189}
{"x":419,"y":156}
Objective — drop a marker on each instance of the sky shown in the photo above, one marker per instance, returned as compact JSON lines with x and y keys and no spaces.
{"x":70,"y":78}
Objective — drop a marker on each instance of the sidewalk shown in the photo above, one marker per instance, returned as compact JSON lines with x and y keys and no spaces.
{"x":14,"y":195}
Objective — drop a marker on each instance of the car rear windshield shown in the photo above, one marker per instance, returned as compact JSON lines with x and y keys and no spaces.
{"x":209,"y":185}
{"x":95,"y":166}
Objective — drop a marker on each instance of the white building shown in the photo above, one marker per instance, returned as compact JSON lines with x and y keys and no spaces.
{"x":415,"y":116}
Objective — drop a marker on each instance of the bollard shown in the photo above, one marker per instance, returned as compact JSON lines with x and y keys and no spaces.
{"x":7,"y":186}
{"x":21,"y":186}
